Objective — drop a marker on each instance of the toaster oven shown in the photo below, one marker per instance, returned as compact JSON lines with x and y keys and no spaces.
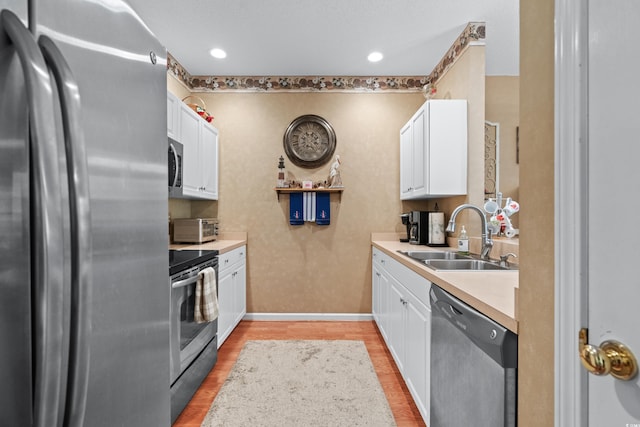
{"x":195,"y":230}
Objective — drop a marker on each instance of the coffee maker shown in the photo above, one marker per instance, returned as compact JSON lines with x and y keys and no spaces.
{"x":427,"y":228}
{"x":406,"y":221}
{"x":417,"y":227}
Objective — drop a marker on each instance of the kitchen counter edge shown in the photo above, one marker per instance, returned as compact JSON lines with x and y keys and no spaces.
{"x":226,"y":242}
{"x":493,"y":293}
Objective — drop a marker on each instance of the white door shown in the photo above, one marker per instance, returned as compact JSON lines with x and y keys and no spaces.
{"x":614,"y":200}
{"x":189,"y":137}
{"x":209,"y":160}
{"x":418,"y":156}
{"x":225,"y":306}
{"x":598,"y":208}
{"x":406,"y":161}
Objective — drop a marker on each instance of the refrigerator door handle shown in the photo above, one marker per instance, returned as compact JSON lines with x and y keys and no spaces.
{"x":46,"y":218}
{"x":81,"y":245}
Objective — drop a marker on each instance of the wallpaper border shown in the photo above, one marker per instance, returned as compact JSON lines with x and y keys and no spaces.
{"x":473,"y":34}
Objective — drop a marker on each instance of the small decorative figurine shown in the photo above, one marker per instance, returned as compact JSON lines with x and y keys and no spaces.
{"x":282,"y":175}
{"x":335,"y":181}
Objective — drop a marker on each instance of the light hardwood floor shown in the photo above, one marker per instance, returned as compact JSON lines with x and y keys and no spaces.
{"x":404,"y":410}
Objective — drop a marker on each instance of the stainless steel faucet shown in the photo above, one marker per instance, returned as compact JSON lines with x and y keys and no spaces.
{"x":487,"y":243}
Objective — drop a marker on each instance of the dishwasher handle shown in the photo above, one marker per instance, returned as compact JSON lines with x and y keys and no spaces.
{"x":455,"y":311}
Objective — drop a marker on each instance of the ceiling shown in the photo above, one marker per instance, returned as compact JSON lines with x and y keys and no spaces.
{"x":328,"y":37}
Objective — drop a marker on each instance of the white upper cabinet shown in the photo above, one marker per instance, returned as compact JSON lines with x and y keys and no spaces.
{"x":209,"y":160}
{"x":190,"y":139}
{"x":200,"y":149}
{"x":406,"y":161}
{"x":173,"y":104}
{"x":433,"y":151}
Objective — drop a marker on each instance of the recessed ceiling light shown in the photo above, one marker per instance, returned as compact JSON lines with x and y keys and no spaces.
{"x":218,"y":53}
{"x":375,"y":57}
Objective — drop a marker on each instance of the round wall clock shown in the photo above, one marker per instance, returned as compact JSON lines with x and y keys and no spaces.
{"x":309,"y":141}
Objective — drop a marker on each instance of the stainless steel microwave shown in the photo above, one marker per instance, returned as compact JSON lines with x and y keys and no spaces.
{"x":175,"y":168}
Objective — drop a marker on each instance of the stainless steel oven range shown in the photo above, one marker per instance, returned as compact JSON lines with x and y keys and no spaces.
{"x":193,"y":345}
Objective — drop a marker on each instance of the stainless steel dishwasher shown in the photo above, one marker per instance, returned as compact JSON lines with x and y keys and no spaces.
{"x":473,"y":366}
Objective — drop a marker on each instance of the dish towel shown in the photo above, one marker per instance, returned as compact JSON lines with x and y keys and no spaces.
{"x":296,"y":209}
{"x":206,"y":309}
{"x":305,"y":206}
{"x":323,"y":208}
{"x":309,"y":202}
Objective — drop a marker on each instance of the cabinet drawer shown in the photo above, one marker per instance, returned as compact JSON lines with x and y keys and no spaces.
{"x":380,"y":258}
{"x":230,"y":258}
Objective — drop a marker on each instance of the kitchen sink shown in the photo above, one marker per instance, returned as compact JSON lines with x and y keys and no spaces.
{"x":464,"y":264}
{"x":433,"y":255}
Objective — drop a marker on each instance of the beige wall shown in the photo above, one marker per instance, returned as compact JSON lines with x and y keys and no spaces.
{"x":502,"y":102}
{"x":178,"y":89}
{"x":536,"y":314}
{"x":311,"y":268}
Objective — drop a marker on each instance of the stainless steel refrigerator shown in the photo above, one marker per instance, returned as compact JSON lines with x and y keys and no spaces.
{"x":84,"y":295}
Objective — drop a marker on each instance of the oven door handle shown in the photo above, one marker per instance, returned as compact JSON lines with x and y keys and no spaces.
{"x":186,"y":282}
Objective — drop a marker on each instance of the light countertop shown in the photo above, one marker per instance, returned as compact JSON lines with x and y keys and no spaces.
{"x":493,"y":293}
{"x":226,"y":242}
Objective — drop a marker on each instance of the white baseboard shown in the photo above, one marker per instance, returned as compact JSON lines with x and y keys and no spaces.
{"x":292,"y":317}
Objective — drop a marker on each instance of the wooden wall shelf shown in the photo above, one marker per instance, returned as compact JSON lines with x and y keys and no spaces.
{"x":307,"y":190}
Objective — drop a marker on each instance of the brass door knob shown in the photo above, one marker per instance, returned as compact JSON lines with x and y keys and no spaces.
{"x":611,"y":357}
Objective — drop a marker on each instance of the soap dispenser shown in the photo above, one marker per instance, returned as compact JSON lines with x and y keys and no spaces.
{"x":463,"y":242}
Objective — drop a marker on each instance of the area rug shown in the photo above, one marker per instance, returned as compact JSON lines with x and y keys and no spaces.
{"x":301,"y":383}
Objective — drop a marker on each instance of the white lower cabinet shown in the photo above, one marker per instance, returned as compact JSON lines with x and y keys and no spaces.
{"x":401,"y":299}
{"x":232,"y":291}
{"x":380,"y":291}
{"x":417,"y":360}
{"x":397,"y":323}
